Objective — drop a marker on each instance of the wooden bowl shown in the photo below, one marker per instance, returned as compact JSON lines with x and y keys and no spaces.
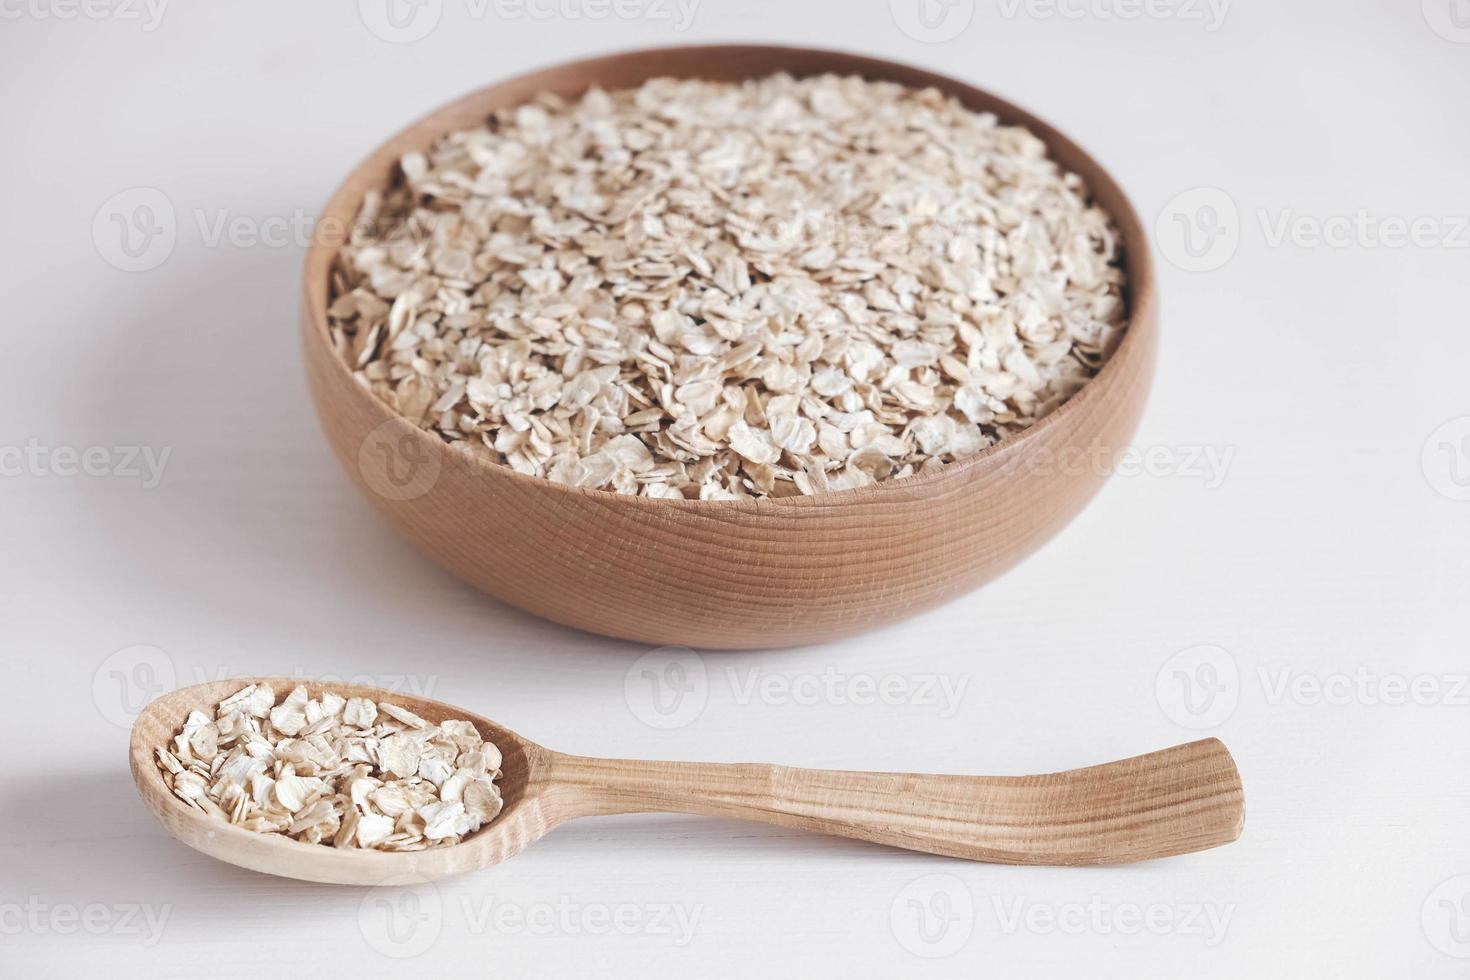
{"x":743,"y":574}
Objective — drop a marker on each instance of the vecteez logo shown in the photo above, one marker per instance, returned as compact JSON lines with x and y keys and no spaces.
{"x":1199,"y":230}
{"x":670,"y":687}
{"x":401,"y":917}
{"x":667,"y":688}
{"x":1445,"y":917}
{"x":408,"y":21}
{"x":396,"y":461}
{"x":1198,"y":687}
{"x":144,"y":923}
{"x":124,"y":683}
{"x":400,"y":21}
{"x":1446,"y":459}
{"x":1450,"y":19}
{"x":932,"y":21}
{"x":1210,"y":14}
{"x":1201,"y":687}
{"x":933,"y":916}
{"x":147,"y":14}
{"x":135,"y":230}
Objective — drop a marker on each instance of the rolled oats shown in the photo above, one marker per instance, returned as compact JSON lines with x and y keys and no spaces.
{"x":342,"y":772}
{"x":719,"y":291}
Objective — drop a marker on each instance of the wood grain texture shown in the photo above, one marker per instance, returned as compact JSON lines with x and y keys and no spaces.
{"x":729,"y":575}
{"x":1176,"y":801}
{"x":1179,"y":800}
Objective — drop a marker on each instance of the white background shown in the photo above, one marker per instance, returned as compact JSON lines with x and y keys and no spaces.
{"x":1333,"y":541}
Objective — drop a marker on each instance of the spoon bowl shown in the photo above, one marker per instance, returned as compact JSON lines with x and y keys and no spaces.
{"x":520,"y":822}
{"x":1175,"y":801}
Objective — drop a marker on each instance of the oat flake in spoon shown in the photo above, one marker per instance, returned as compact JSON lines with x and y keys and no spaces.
{"x":722,"y":291}
{"x":342,"y":772}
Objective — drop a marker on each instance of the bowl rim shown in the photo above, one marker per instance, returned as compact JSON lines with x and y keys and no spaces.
{"x":1140,"y":286}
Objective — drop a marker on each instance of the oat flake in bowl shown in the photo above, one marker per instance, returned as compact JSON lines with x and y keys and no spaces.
{"x":721,"y":291}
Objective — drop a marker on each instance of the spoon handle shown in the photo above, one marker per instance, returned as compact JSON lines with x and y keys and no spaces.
{"x":1187,"y":798}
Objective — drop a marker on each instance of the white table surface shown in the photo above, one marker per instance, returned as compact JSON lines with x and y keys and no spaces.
{"x":1331,"y":548}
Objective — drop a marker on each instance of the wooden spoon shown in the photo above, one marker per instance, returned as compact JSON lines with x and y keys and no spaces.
{"x":1176,"y":801}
